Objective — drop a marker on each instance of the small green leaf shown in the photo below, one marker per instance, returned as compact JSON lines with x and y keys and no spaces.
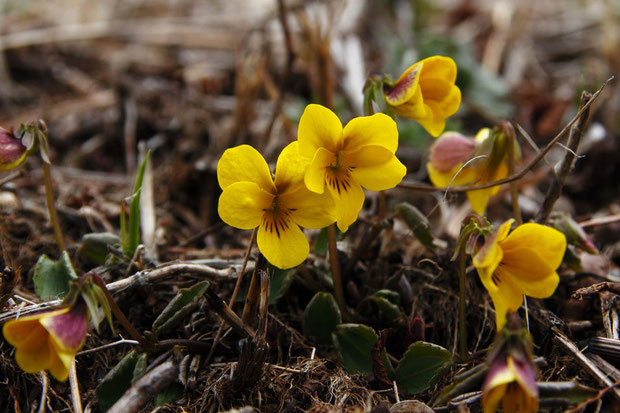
{"x":171,"y":393}
{"x":139,"y":369}
{"x":354,"y":343}
{"x":418,"y":223}
{"x":569,"y":391}
{"x":95,"y":246}
{"x":320,"y":243}
{"x":422,"y":365}
{"x":52,"y":279}
{"x":118,"y":380}
{"x":180,"y":306}
{"x":389,"y":310}
{"x":321,"y":316}
{"x":133,"y":239}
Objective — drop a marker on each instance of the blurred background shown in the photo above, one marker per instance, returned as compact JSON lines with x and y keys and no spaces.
{"x":191,"y":78}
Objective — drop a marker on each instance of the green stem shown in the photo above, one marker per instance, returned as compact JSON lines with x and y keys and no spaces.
{"x":336,"y":277}
{"x":462,"y":320}
{"x":120,"y":316}
{"x":51,"y":208}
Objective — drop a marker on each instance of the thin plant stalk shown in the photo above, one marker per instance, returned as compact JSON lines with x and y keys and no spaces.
{"x":514,"y":193}
{"x":462,"y":295}
{"x":75,"y":389}
{"x":120,"y":316}
{"x":51,"y":208}
{"x":335,"y":266}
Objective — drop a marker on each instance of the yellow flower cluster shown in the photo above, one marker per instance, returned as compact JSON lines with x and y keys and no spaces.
{"x":345,"y":160}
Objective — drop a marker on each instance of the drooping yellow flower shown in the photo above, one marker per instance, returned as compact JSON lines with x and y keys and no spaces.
{"x":523,"y":262}
{"x":251,"y":198}
{"x":426,"y":92}
{"x":360,"y":155}
{"x":49,"y":340}
{"x":512,"y":382}
{"x":450,"y":153}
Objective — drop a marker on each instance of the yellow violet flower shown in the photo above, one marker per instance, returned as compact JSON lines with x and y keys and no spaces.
{"x":49,"y":340}
{"x":523,"y":262}
{"x":512,"y":382}
{"x":360,"y":155}
{"x":251,"y":198}
{"x":426,"y":92}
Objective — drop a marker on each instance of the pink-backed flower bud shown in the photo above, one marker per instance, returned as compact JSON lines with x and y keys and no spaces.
{"x":12,"y":150}
{"x":450,"y":150}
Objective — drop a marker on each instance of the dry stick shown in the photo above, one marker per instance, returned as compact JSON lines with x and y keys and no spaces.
{"x":44,"y":387}
{"x":12,"y":176}
{"x":146,"y":388}
{"x":217,"y":304}
{"x":524,"y":170}
{"x":571,"y":348}
{"x":252,"y":299}
{"x":51,"y":208}
{"x":555,"y":190}
{"x":75,"y":389}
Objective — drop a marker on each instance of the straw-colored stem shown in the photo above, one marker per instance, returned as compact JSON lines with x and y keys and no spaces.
{"x":75,"y":389}
{"x":462,"y":319}
{"x":51,"y":208}
{"x":335,"y":265}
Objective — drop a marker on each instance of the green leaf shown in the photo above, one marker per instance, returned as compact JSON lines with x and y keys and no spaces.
{"x":320,"y":243}
{"x":569,"y":391}
{"x":118,"y":380}
{"x":321,"y":316}
{"x":95,"y":245}
{"x":133,"y":239}
{"x":422,"y":365}
{"x":280,"y":281}
{"x":354,"y":342}
{"x":178,"y":308}
{"x":418,"y":223}
{"x":171,"y":393}
{"x":52,"y":279}
{"x":388,"y":309}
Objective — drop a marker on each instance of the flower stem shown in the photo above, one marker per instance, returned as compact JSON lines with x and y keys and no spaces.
{"x":462,"y":294}
{"x":514,"y":193}
{"x":75,"y":389}
{"x":120,"y":316}
{"x":336,"y":277}
{"x":51,"y":208}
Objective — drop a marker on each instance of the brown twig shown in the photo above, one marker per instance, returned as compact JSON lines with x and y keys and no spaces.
{"x":219,"y":306}
{"x":146,"y":388}
{"x":555,"y":190}
{"x":525,"y":169}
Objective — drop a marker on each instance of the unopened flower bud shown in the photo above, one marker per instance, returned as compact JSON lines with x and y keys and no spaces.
{"x":575,"y":235}
{"x":12,"y":150}
{"x":450,"y":150}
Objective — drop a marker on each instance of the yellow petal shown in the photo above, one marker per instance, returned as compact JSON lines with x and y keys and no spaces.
{"x":309,"y":209}
{"x":414,"y":108}
{"x":439,"y":67}
{"x":244,"y":163}
{"x":290,"y":168}
{"x":60,"y":363}
{"x":492,"y":398}
{"x":315,"y":172}
{"x":243,"y":204}
{"x":479,"y":199}
{"x":284,"y":245}
{"x":349,"y":202}
{"x":318,"y":127}
{"x":506,"y":296}
{"x":491,"y":253}
{"x":380,"y":177}
{"x":456,"y":176}
{"x":378,"y":129}
{"x":405,"y":87}
{"x":436,"y":123}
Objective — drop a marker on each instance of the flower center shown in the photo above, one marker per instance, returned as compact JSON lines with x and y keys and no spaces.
{"x":277,"y":218}
{"x":338,"y":175}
